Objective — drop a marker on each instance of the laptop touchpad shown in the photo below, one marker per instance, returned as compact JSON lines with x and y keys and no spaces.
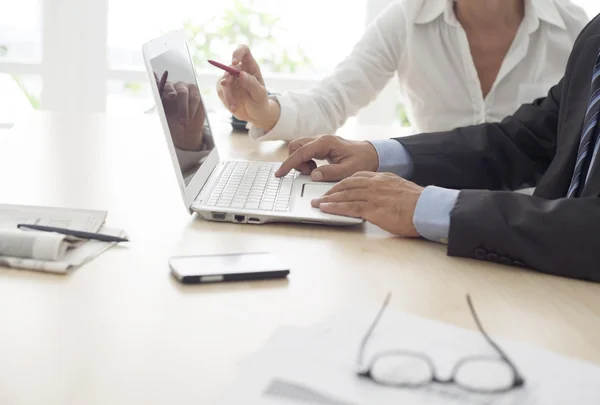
{"x":315,"y":190}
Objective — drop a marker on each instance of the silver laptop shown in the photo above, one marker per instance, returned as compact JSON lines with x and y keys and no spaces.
{"x":231,"y":191}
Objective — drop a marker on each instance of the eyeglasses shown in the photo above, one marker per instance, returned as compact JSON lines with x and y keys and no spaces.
{"x":408,"y":369}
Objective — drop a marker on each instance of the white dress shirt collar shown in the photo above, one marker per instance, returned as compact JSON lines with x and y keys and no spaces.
{"x":432,"y":9}
{"x":535,"y":12}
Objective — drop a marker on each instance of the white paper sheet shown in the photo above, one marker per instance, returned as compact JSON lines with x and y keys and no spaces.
{"x":323,"y":359}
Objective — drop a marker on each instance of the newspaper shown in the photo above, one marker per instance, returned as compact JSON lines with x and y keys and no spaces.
{"x":35,"y":244}
{"x":47,"y":251}
{"x":74,"y":257}
{"x":83,"y":220}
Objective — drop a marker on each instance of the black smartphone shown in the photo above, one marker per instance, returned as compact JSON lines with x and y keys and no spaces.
{"x":230,"y":267}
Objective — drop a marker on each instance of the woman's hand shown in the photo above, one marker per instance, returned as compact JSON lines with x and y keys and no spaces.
{"x":246,"y":96}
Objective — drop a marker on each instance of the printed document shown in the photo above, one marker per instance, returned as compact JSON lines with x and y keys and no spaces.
{"x":49,"y":251}
{"x":316,"y":366}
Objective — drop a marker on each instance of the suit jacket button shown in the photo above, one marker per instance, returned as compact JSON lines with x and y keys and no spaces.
{"x":505,"y":260}
{"x":480,"y":253}
{"x":492,"y":257}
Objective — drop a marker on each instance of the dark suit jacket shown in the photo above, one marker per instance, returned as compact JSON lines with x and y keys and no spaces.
{"x":538,"y":145}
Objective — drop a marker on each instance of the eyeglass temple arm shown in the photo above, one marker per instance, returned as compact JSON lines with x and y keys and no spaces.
{"x":367,"y":336}
{"x":489,"y":339}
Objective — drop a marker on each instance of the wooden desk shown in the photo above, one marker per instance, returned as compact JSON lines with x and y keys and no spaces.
{"x":121,"y":331}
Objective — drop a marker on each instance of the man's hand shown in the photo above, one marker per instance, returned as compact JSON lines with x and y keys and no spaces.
{"x":383,"y":199}
{"x":345,"y":158}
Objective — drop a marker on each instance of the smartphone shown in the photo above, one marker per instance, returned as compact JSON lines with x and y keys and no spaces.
{"x":224,"y":268}
{"x":226,"y":68}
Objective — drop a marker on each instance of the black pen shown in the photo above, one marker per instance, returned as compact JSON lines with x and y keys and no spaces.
{"x":77,"y":234}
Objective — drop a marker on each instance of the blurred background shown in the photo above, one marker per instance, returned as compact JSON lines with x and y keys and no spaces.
{"x":85,"y":55}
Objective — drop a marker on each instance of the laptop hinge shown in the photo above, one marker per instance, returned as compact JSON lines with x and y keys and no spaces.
{"x":197,"y":198}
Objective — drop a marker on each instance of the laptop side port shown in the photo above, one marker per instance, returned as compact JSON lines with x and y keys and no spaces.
{"x":239,"y":218}
{"x":253,"y":221}
{"x":219,"y":216}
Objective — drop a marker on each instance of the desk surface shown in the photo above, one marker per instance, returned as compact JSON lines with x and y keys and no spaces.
{"x":120,"y":330}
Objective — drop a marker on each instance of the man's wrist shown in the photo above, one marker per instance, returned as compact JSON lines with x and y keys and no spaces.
{"x":412,"y":232}
{"x":373,"y":159}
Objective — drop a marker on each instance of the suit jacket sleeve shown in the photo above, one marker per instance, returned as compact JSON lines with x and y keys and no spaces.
{"x":558,"y":237}
{"x":555,"y":236}
{"x":507,"y":155}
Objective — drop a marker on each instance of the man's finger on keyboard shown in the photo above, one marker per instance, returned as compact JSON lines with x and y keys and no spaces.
{"x":317,"y":149}
{"x":306,"y":167}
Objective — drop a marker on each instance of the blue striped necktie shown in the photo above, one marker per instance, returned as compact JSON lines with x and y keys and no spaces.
{"x":588,"y":136}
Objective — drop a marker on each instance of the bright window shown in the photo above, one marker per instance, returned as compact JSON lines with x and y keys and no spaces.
{"x":20,"y":31}
{"x":97,"y":44}
{"x":20,"y":46}
{"x":288,"y":38}
{"x":281,"y":32}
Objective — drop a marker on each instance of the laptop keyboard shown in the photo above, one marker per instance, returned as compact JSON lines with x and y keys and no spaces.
{"x":252,"y":186}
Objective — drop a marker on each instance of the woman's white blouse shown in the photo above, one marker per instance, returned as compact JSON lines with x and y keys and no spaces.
{"x":424,"y":45}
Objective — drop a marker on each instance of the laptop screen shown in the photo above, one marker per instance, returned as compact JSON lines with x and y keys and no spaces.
{"x":183,"y":108}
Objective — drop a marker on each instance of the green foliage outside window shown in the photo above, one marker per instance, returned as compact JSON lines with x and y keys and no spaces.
{"x":401,"y":115}
{"x":33,"y":99}
{"x":243,"y":23}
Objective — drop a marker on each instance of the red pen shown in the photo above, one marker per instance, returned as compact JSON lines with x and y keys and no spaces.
{"x":226,"y":68}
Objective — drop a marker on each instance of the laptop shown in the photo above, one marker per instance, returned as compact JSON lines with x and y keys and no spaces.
{"x":229,"y":191}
